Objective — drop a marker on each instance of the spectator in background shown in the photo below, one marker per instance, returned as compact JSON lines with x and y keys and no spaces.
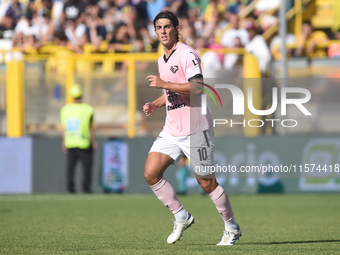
{"x":140,"y":6}
{"x":15,"y":10}
{"x":43,"y":29}
{"x":337,"y":35}
{"x":275,"y":45}
{"x":138,"y":44}
{"x":95,"y":29}
{"x":153,"y":8}
{"x":105,"y":5}
{"x":178,"y":7}
{"x":95,"y":32}
{"x":35,"y":28}
{"x":60,"y":39}
{"x":235,"y":31}
{"x":196,"y":20}
{"x":23,"y":34}
{"x":188,"y":33}
{"x":267,"y":21}
{"x":7,"y":26}
{"x":308,"y":39}
{"x":237,"y":5}
{"x":58,"y":6}
{"x":134,"y":23}
{"x":150,"y":44}
{"x":211,"y":43}
{"x":258,"y":47}
{"x":210,"y":61}
{"x":74,"y":10}
{"x":234,"y":37}
{"x":216,"y":23}
{"x":211,"y":7}
{"x":233,"y":59}
{"x":4,"y":5}
{"x":264,"y":6}
{"x":109,"y":21}
{"x":93,"y":10}
{"x":334,"y":48}
{"x":119,"y":38}
{"x":123,"y":11}
{"x":78,"y":139}
{"x":45,"y":4}
{"x":198,"y":6}
{"x":72,"y":19}
{"x":76,"y":35}
{"x":121,"y":14}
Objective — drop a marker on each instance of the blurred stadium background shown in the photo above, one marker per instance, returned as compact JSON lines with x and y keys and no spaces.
{"x":109,"y":48}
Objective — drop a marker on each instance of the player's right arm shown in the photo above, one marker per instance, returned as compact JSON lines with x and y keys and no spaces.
{"x":150,"y":107}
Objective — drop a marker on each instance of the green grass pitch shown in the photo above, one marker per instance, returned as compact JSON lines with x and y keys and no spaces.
{"x":140,"y":224}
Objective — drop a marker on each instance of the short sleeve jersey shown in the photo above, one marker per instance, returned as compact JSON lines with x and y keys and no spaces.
{"x":182,"y":66}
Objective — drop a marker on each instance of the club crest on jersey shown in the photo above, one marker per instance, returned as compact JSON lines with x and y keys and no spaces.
{"x":174,"y":69}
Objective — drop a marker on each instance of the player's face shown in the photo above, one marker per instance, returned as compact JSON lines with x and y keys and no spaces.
{"x":166,"y":33}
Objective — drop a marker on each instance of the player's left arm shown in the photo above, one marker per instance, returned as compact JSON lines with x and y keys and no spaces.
{"x":191,"y":87}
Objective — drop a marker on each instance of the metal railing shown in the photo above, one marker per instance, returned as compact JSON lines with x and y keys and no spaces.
{"x":40,"y":85}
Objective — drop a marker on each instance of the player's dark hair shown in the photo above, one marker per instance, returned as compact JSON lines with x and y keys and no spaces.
{"x":167,"y":15}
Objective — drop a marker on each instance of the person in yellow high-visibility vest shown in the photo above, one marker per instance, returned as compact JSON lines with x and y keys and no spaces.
{"x":78,"y":137}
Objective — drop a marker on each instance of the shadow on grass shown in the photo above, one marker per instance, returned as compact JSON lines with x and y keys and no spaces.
{"x":294,"y":242}
{"x":272,"y":243}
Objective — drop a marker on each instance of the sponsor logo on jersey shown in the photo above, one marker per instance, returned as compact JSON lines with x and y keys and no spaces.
{"x":195,"y":61}
{"x":176,"y":106}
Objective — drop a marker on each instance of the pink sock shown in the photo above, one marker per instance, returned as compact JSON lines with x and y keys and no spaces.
{"x":165,"y":192}
{"x":222,"y":203}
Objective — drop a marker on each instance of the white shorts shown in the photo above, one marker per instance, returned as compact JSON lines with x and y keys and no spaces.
{"x":198,"y":148}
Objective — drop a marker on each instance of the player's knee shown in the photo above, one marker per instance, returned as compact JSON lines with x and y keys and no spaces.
{"x":149,"y":177}
{"x":208,"y":185}
{"x":204,"y":186}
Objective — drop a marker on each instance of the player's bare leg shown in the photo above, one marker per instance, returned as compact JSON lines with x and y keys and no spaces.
{"x":221,"y":200}
{"x":155,"y":165}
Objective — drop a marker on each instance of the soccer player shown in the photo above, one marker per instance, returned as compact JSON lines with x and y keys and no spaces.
{"x":185,"y":128}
